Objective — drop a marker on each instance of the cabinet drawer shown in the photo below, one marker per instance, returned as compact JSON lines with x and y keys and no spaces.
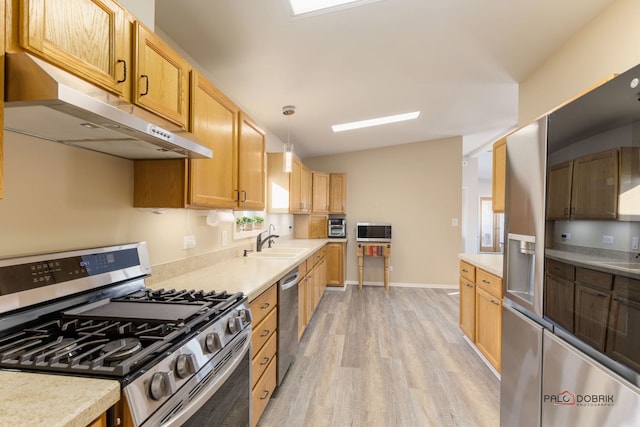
{"x":489,"y":282}
{"x":263,"y":390}
{"x":263,"y":331}
{"x":262,"y":305}
{"x":318,"y":255}
{"x":262,"y":359}
{"x":560,"y":269}
{"x":594,"y":279}
{"x":627,"y":287}
{"x":468,"y":271}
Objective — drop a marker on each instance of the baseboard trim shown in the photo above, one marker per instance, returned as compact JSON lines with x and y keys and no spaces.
{"x":403,"y":285}
{"x":484,"y":359}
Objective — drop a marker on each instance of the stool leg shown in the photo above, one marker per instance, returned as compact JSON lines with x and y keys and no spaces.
{"x":386,"y":273}
{"x":360,"y":271}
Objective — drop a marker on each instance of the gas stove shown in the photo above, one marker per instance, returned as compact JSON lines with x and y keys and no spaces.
{"x":89,"y":313}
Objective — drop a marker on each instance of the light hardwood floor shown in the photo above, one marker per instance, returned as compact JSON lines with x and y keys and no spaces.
{"x":375,"y":359}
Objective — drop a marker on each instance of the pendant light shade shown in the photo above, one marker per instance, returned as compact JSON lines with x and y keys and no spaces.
{"x":287,"y":152}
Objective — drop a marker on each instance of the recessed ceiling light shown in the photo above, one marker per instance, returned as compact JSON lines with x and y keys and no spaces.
{"x":306,"y":6}
{"x":376,"y":122}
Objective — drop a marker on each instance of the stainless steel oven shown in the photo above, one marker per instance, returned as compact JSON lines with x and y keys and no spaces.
{"x":217,"y":396}
{"x":182,"y":357}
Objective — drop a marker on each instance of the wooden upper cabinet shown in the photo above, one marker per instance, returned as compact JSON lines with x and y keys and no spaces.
{"x":205,"y":183}
{"x":498,"y":175}
{"x":161,"y":77}
{"x":337,"y":193}
{"x":295,"y":187}
{"x":594,"y":190}
{"x":320,"y":192}
{"x":559,"y":190}
{"x":584,"y":188}
{"x":214,"y":120}
{"x":88,"y":38}
{"x":251,"y":165}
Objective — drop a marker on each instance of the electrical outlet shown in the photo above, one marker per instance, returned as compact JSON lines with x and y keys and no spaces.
{"x":454,"y":222}
{"x":566,"y":236}
{"x":391,"y":268}
{"x":634,"y":243}
{"x":607,"y":240}
{"x":189,"y":242}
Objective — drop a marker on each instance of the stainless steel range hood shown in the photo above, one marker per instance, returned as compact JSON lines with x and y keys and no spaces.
{"x":46,"y":102}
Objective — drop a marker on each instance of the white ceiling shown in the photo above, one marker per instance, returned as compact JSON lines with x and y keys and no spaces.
{"x":457,"y":61}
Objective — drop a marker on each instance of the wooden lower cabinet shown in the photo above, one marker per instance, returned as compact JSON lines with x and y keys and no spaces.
{"x":335,"y":264}
{"x":559,"y":301}
{"x":263,"y":390}
{"x":623,"y":336}
{"x":592,"y":300}
{"x":264,"y":350}
{"x":311,"y":288}
{"x":468,"y":308}
{"x":481,"y":310}
{"x":101,"y":421}
{"x":489,"y":326}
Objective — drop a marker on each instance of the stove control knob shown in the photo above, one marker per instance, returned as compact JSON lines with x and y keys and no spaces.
{"x":212,"y":342}
{"x":162,"y":384}
{"x":185,"y":365}
{"x":245,"y":315}
{"x":233,"y":324}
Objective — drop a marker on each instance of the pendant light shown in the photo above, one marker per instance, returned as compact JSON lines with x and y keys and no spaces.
{"x":287,"y":152}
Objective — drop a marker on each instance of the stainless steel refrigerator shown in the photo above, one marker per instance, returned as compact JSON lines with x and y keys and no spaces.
{"x":551,"y":374}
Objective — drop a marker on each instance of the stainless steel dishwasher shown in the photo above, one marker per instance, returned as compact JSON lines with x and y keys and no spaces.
{"x":287,"y":321}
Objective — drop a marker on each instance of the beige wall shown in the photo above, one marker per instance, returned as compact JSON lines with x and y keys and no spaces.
{"x":608,"y":45}
{"x":59,"y":197}
{"x":417,"y":188}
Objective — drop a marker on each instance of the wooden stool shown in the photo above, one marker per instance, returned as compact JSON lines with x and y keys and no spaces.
{"x":373,"y":249}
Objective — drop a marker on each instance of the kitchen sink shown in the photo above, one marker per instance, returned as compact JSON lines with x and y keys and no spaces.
{"x":277,"y":252}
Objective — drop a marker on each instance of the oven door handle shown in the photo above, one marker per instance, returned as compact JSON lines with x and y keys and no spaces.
{"x":198,"y":402}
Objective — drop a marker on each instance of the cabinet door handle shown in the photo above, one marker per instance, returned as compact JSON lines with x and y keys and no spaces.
{"x":469,"y":285}
{"x":486,"y":281}
{"x":146,"y":90}
{"x":265,"y":361}
{"x":464,"y":270}
{"x":244,"y":196}
{"x":124,"y":74}
{"x":237,"y":195}
{"x":265,"y":333}
{"x":265,"y":305}
{"x":265,"y":395}
{"x":600,"y":294}
{"x":495,"y":302}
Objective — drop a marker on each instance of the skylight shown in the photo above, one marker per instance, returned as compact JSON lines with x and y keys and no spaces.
{"x":307,"y":6}
{"x":376,"y":122}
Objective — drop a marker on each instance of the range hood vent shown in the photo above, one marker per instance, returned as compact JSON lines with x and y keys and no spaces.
{"x":46,"y":102}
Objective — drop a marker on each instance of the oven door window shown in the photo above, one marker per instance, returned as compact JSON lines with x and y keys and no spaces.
{"x":229,"y":406}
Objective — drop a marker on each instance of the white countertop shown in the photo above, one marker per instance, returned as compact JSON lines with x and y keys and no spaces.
{"x":250,"y":275}
{"x":32,"y":399}
{"x":491,"y":263}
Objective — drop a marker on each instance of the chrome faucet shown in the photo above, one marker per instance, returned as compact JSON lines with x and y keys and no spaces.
{"x":260,"y":241}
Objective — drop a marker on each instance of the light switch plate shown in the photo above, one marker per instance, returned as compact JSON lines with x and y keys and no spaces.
{"x":634,"y":243}
{"x":607,"y":240}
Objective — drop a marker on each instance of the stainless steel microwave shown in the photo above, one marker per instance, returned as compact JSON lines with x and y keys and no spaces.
{"x":373,"y":232}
